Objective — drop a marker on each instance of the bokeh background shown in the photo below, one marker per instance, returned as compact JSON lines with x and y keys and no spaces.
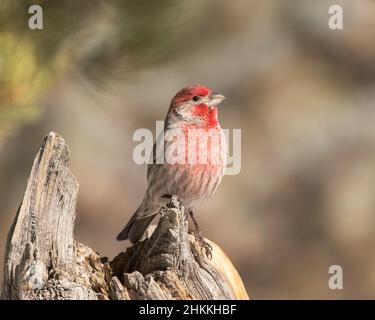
{"x":303,"y":95}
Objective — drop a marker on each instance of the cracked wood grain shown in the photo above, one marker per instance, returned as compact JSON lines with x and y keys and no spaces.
{"x":43,"y":261}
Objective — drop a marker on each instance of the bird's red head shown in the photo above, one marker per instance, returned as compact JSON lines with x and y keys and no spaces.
{"x":195,"y":105}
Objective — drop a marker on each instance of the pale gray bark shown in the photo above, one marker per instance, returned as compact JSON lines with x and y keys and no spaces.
{"x":43,"y":261}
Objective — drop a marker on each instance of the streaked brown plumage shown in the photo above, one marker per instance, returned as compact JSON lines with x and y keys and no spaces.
{"x":192,"y":116}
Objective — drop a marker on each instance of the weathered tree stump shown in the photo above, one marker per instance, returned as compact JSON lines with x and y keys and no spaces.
{"x":43,"y":261}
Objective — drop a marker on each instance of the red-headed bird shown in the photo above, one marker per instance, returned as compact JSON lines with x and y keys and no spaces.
{"x":199,"y":168}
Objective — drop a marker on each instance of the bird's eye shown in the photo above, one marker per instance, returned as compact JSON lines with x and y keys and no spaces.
{"x":196,"y":98}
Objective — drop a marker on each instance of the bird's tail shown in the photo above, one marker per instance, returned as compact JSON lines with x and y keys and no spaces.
{"x":138,"y":223}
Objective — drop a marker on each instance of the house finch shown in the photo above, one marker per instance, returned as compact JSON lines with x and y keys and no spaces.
{"x":194,"y":158}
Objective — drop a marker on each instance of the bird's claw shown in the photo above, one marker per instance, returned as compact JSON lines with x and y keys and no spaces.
{"x":163,"y":211}
{"x":204,"y":245}
{"x":207,"y":249}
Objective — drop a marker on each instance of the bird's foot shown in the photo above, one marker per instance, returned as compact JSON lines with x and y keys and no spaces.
{"x":203,"y":243}
{"x":207,"y":248}
{"x":163,"y":210}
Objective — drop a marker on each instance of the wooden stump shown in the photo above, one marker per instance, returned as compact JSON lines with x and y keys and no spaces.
{"x":43,"y":261}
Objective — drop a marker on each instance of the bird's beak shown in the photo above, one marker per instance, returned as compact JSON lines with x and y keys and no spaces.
{"x":215,"y":98}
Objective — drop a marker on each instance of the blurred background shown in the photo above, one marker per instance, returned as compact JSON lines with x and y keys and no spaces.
{"x":302,"y":94}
